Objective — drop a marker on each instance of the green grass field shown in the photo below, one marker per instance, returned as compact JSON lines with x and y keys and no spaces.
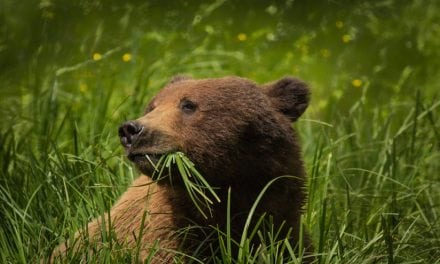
{"x":72,"y":71}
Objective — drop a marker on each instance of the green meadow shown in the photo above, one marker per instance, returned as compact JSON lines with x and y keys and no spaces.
{"x":72,"y":71}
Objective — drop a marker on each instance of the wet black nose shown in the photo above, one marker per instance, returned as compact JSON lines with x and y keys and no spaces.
{"x":128,"y":132}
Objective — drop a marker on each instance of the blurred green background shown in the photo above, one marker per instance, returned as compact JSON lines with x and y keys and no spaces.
{"x":338,"y":46}
{"x":72,"y":71}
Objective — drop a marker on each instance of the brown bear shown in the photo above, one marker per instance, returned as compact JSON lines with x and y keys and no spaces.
{"x":239,"y":136}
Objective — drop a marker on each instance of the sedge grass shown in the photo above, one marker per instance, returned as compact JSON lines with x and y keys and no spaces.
{"x":198,"y":189}
{"x":372,"y":188}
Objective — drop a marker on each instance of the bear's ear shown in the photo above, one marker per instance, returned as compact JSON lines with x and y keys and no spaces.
{"x":179,"y":78}
{"x":289,"y":96}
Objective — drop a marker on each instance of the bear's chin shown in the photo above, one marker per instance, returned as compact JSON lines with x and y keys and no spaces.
{"x":148,"y":167}
{"x":147,"y":170}
{"x":167,"y":176}
{"x":145,"y":164}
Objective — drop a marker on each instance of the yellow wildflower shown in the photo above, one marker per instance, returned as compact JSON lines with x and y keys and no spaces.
{"x":83,"y":87}
{"x":346,"y":38}
{"x":357,"y":83}
{"x":322,"y":103}
{"x":97,"y":56}
{"x":339,"y":24}
{"x":242,"y":37}
{"x":126,"y":57}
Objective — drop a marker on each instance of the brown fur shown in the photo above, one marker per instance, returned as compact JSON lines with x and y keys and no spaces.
{"x":163,"y":209}
{"x":239,"y":136}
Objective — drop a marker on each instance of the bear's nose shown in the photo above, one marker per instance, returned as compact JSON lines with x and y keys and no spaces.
{"x":128,"y":132}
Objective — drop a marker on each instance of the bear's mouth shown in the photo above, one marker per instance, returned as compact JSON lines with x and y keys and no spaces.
{"x":148,"y":161}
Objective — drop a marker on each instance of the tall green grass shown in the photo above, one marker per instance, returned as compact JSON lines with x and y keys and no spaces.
{"x":373,"y":190}
{"x":373,"y":185}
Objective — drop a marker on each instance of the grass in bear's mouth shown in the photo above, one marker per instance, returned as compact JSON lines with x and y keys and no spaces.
{"x":154,"y":158}
{"x":201,"y":193}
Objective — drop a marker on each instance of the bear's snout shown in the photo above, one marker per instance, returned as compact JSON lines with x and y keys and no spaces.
{"x":128,"y":132}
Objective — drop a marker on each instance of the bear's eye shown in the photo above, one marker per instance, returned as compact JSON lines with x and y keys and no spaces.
{"x":188,"y":106}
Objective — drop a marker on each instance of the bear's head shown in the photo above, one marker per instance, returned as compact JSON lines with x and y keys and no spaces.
{"x":234,"y":130}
